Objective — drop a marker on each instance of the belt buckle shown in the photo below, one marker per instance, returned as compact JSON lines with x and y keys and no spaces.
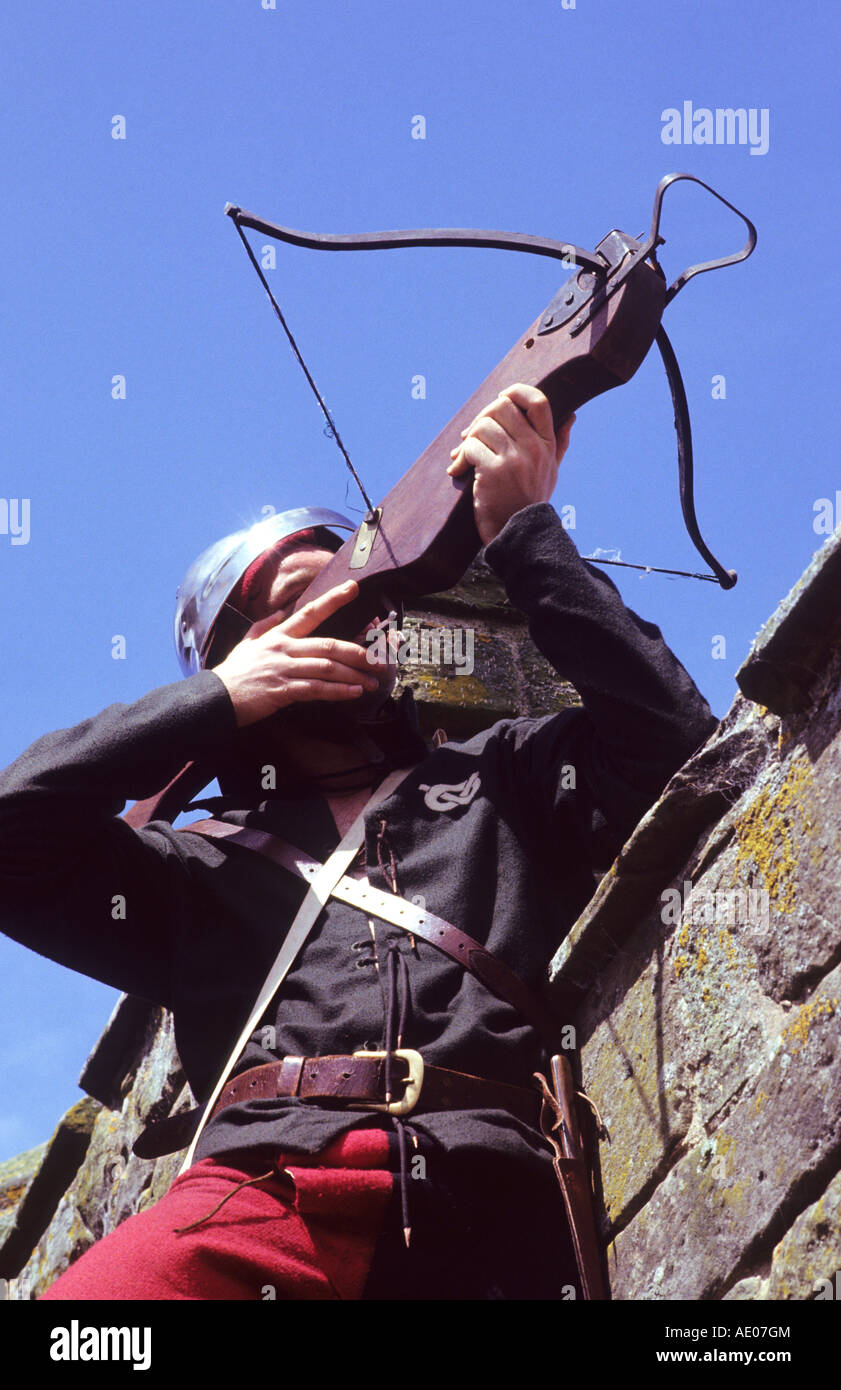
{"x":412,"y":1083}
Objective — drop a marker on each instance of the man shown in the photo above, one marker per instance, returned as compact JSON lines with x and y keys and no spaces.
{"x":291,"y":1189}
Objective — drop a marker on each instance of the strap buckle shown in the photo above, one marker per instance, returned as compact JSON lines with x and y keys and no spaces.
{"x":412,"y":1083}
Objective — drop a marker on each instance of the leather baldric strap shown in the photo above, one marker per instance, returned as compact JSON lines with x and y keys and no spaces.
{"x":358,"y":892}
{"x":321,"y":885}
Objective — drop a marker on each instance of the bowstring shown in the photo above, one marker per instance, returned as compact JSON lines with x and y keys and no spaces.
{"x":332,"y":431}
{"x":648,"y":569}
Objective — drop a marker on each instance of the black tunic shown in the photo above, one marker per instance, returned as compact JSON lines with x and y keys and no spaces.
{"x":512,"y":866}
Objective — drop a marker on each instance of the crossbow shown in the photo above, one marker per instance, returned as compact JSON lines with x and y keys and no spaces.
{"x":592,"y":336}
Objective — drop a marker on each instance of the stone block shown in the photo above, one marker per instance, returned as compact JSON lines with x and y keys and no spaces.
{"x":111,"y":1184}
{"x":731,"y":1191}
{"x":672,"y":1033}
{"x":643,"y":1098}
{"x":15,"y":1176}
{"x":807,"y":1262}
{"x":67,"y":1238}
{"x":747,"y":1291}
{"x":788,"y":843}
{"x":62,"y":1156}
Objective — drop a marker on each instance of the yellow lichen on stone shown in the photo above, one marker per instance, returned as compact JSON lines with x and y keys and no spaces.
{"x":817,"y":854}
{"x":440,"y":689}
{"x":798,"y":1030}
{"x":767,"y":835}
{"x":725,"y":941}
{"x":681,"y":962}
{"x":734,"y":1194}
{"x":622,"y":1072}
{"x":725,"y":1148}
{"x":701,"y":957}
{"x":10,"y":1196}
{"x":729,"y":1193}
{"x":715,"y":947}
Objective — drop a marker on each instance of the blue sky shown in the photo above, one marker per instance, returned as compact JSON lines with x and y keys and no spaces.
{"x":539,"y":118}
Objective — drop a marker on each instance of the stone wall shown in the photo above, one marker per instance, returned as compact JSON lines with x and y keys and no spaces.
{"x":705,"y":982}
{"x":102,"y":1183}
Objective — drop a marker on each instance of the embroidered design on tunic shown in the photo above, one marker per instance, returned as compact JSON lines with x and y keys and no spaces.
{"x":445,"y":796}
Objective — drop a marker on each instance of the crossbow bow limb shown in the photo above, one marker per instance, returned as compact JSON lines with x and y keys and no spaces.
{"x":592,"y":336}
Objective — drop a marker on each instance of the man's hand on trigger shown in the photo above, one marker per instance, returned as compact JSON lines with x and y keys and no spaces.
{"x":278,"y":663}
{"x":515,"y":454}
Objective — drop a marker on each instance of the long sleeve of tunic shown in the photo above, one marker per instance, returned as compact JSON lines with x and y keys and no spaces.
{"x":507,"y":856}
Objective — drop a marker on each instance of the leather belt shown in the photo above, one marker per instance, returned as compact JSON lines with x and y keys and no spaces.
{"x":357,"y":1082}
{"x":354,"y":1081}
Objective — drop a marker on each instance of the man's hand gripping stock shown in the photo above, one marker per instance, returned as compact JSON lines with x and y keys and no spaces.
{"x":515,"y":454}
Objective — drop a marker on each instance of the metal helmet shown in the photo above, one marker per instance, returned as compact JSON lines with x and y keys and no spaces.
{"x":214,"y":575}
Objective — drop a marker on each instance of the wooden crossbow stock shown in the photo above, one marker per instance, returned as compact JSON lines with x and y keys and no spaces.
{"x":592,"y":336}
